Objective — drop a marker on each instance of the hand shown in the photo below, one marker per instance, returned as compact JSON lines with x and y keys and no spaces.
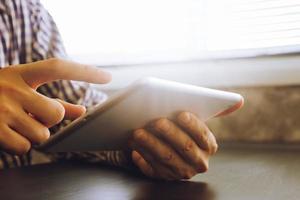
{"x":26,"y":115}
{"x":173,"y":150}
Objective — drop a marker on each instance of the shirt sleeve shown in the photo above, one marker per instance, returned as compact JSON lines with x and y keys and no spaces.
{"x":47,"y":43}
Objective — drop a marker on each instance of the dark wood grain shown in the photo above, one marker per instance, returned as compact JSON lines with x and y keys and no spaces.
{"x":235,"y":173}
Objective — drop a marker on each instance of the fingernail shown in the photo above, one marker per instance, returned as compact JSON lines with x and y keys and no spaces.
{"x":185,"y":117}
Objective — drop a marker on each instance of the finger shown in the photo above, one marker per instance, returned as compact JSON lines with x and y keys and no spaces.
{"x":182,"y":143}
{"x":161,"y":152}
{"x":38,"y":73}
{"x":142,"y":164}
{"x":31,"y":129}
{"x":159,"y":170}
{"x":231,"y":109}
{"x":72,"y":111}
{"x":198,"y":131}
{"x":46,"y":110}
{"x":214,"y":145}
{"x":12,"y":142}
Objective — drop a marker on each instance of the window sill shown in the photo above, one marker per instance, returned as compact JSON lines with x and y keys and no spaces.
{"x":260,"y":71}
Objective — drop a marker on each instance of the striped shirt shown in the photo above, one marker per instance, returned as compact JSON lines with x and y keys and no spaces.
{"x":28,"y":34}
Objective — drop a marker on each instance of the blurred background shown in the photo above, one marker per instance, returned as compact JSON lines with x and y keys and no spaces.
{"x":247,"y":46}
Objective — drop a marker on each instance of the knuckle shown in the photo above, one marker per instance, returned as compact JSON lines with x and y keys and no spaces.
{"x":167,"y":157}
{"x":11,"y":90}
{"x":162,"y":124}
{"x":184,"y":117}
{"x":139,"y":135}
{"x":188,"y":174}
{"x":202,"y":136}
{"x":202,"y":166}
{"x":189,"y":145}
{"x":5,"y":111}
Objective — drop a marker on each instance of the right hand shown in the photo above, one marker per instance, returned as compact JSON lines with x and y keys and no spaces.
{"x":25,"y":114}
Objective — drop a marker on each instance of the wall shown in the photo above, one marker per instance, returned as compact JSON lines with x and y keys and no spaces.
{"x":270,"y":114}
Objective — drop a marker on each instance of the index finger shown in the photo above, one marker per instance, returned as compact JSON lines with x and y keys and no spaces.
{"x":38,"y":73}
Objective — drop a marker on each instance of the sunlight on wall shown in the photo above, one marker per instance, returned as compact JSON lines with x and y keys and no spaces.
{"x":129,"y":30}
{"x":143,"y":31}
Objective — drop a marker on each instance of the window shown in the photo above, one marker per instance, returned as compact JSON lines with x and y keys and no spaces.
{"x":253,"y":27}
{"x":142,"y":31}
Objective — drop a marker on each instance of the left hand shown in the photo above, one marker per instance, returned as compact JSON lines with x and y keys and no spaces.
{"x":173,"y":150}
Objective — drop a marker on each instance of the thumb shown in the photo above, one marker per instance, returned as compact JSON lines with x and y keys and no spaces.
{"x":231,"y":109}
{"x":72,"y":111}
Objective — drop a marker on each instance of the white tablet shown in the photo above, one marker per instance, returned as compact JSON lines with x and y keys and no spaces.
{"x":110,"y":125}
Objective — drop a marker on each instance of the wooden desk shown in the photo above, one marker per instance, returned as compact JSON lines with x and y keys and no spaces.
{"x":235,"y":173}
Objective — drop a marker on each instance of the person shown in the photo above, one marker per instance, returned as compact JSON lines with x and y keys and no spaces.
{"x":40,"y":94}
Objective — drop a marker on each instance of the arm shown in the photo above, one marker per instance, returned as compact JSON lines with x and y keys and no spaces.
{"x":165,"y":149}
{"x":183,"y":164}
{"x":41,"y":40}
{"x":26,"y":115}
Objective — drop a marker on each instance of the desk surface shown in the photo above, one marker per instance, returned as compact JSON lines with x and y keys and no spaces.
{"x":240,"y":173}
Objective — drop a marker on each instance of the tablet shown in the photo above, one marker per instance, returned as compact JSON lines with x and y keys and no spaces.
{"x":110,"y":125}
